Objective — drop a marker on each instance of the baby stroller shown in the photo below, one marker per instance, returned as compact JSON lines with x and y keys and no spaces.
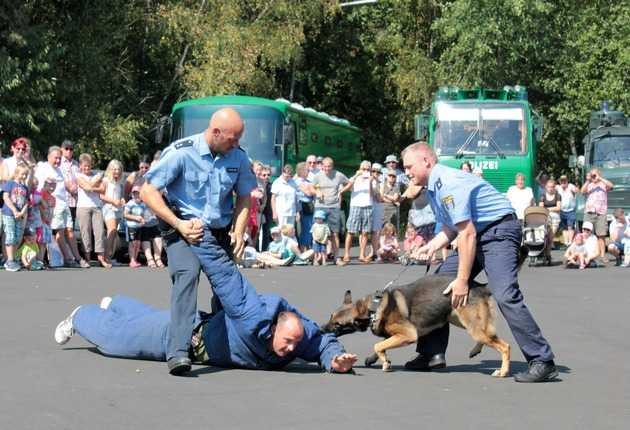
{"x":537,"y":235}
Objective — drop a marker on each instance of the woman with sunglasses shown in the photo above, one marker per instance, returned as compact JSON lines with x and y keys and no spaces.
{"x":20,"y":148}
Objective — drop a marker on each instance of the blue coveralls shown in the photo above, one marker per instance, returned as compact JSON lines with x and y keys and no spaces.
{"x":458,"y":196}
{"x":199,"y":184}
{"x":238,"y":336}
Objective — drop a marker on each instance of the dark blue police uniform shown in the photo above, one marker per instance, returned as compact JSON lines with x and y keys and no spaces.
{"x":458,"y":196}
{"x":199,"y":184}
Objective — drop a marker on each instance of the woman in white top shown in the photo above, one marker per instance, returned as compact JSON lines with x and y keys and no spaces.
{"x":360,"y":216}
{"x":520,"y":196}
{"x":568,"y":206}
{"x":89,"y":213}
{"x":113,"y":203}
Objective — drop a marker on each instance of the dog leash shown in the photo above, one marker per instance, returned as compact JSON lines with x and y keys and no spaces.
{"x":378,"y":296}
{"x":390,"y":283}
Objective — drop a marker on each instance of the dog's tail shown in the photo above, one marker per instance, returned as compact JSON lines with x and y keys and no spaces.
{"x":522,"y":256}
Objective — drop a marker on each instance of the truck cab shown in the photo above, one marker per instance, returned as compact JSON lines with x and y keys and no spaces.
{"x":607,"y":147}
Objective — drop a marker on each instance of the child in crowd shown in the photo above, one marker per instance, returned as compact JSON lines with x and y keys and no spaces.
{"x":321,"y":233}
{"x":48,"y":208}
{"x":150,"y":235}
{"x":292,"y":246}
{"x":389,"y":248}
{"x":34,"y":214}
{"x":133,"y":213}
{"x":277,"y":253}
{"x":413,"y":242}
{"x":575,"y":254}
{"x":15,"y":196}
{"x":29,"y":251}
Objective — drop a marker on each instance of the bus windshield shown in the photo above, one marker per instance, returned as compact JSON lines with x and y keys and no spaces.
{"x":612,"y":151}
{"x":263,"y":129}
{"x":480,"y":129}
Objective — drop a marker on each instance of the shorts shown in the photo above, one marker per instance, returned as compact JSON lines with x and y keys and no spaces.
{"x":111,"y":212}
{"x":133,"y":234}
{"x":333,"y":218}
{"x":378,"y":213}
{"x":13,"y":230}
{"x":567,"y":220}
{"x":46,"y":234}
{"x":319,"y":247}
{"x":359,"y":219}
{"x":62,"y":218}
{"x":600,"y":225}
{"x":618,"y":245}
{"x":147,"y":234}
{"x":554,"y":220}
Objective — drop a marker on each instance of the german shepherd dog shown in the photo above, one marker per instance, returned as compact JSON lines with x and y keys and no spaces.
{"x":410,"y":311}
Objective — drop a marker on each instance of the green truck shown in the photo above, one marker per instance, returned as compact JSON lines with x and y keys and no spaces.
{"x":277,"y":132}
{"x":607,"y":147}
{"x":496,"y":131}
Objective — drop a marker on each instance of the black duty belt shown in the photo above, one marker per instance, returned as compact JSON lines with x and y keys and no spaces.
{"x":508,"y":217}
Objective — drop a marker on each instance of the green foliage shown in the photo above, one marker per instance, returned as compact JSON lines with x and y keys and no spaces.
{"x":101,"y":73}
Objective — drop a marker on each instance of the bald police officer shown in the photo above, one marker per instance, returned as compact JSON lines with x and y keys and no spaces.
{"x":489,"y":238}
{"x":199,"y":175}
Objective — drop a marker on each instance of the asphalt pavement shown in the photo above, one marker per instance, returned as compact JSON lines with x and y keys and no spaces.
{"x":583,"y":314}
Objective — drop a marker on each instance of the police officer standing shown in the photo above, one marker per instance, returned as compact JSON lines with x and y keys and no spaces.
{"x":199,"y":175}
{"x":489,"y":238}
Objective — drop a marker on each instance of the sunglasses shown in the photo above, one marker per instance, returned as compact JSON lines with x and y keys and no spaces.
{"x":68,"y":149}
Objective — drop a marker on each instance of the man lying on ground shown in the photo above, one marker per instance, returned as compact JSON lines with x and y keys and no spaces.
{"x":260,"y":332}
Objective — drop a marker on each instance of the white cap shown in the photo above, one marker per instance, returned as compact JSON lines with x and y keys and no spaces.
{"x":587,"y":225}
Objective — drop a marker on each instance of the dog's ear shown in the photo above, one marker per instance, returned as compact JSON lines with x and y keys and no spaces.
{"x":347,"y":298}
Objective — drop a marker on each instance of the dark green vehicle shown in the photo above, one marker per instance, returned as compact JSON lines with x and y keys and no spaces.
{"x":495,"y":130}
{"x":607,"y":147}
{"x":277,"y":132}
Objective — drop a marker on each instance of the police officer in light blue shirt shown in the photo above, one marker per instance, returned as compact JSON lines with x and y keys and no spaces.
{"x":488,"y":238}
{"x":199,"y":176}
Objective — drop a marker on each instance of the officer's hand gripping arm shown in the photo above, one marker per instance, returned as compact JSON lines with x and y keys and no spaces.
{"x":191,"y":231}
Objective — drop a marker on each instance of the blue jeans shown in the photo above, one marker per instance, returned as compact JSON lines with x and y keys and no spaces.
{"x":305,"y":238}
{"x":497,"y":253}
{"x":127,"y":328}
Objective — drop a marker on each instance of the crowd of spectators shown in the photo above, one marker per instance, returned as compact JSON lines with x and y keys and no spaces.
{"x":42,"y":203}
{"x":298,"y":218}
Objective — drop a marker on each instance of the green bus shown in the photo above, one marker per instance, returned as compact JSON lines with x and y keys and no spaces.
{"x":277,"y":132}
{"x":496,"y":131}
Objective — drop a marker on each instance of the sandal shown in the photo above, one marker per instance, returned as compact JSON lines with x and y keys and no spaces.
{"x":159,"y":263}
{"x":151,"y":263}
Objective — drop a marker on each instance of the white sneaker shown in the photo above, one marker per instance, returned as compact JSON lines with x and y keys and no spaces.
{"x":105,"y":302}
{"x":64,"y":330}
{"x":306,"y":255}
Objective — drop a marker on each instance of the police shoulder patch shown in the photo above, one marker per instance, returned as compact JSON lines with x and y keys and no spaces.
{"x":183,"y":144}
{"x":449,"y":202}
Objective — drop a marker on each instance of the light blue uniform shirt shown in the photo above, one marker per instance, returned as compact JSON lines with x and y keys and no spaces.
{"x":199,"y":183}
{"x":457,"y":196}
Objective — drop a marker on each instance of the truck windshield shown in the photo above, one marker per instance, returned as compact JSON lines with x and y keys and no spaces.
{"x":480,"y":129}
{"x":263,"y":128}
{"x":612,"y":151}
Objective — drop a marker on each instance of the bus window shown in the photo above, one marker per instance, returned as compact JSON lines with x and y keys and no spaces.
{"x":263,"y":129}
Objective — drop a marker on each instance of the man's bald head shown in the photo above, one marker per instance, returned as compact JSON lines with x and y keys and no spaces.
{"x":225,"y":130}
{"x":418,"y":161}
{"x":287,"y":333}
